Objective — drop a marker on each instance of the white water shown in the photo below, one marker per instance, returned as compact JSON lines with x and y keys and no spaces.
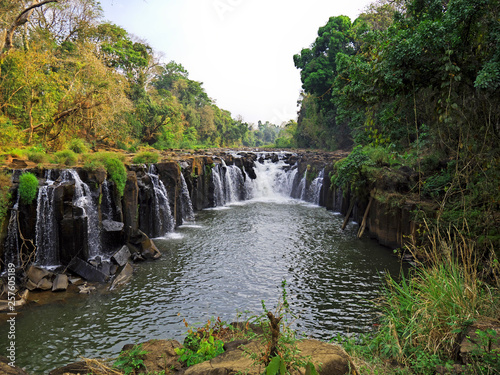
{"x":187,"y":205}
{"x":47,"y":253}
{"x":83,"y":199}
{"x":164,"y":222}
{"x":12,"y":249}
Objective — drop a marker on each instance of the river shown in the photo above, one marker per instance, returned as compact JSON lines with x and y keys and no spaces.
{"x":223,"y":264}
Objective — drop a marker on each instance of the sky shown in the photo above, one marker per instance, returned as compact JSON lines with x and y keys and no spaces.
{"x":242,"y":50}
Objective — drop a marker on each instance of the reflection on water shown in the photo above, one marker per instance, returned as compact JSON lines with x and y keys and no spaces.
{"x":226,"y":262}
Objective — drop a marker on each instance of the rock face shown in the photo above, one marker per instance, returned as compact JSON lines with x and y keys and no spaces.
{"x":6,"y":369}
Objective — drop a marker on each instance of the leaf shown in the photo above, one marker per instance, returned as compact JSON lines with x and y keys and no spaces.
{"x":274,"y":366}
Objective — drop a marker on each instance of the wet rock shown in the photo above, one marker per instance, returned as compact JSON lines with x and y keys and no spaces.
{"x":112,"y":233}
{"x":122,"y":256}
{"x":86,"y":289}
{"x":123,"y":277}
{"x":60,"y":283}
{"x":75,"y":280}
{"x":87,"y":271}
{"x":160,"y":356}
{"x":6,"y":369}
{"x":36,"y":274}
{"x":44,"y":284}
{"x":149,"y":249}
{"x":30,"y":285}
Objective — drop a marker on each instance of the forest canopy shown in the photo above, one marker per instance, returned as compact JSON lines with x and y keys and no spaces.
{"x":66,"y":73}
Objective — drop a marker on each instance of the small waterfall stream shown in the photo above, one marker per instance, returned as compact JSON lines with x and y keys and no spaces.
{"x":84,"y":200}
{"x":12,"y":249}
{"x":187,"y":206}
{"x":46,"y":230}
{"x":164,"y":221}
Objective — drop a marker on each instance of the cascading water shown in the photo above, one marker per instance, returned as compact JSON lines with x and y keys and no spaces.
{"x":229,"y":184}
{"x":315,"y":188}
{"x":107,"y":203}
{"x":219,"y":196}
{"x":83,"y":199}
{"x":12,"y":249}
{"x":163,"y":214}
{"x":187,"y":205}
{"x":46,"y":226}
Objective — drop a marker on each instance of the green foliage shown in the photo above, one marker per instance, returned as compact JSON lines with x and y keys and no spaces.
{"x":78,"y":146}
{"x":28,"y":186}
{"x":284,"y":358}
{"x":202,"y":344}
{"x":130,"y":361}
{"x":351,"y":172}
{"x":38,"y":156}
{"x":112,"y":163}
{"x":66,"y":157}
{"x":146,"y":157}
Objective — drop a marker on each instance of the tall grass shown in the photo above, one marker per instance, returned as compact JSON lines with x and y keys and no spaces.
{"x":424,"y":315}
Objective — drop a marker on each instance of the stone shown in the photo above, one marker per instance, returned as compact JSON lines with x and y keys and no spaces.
{"x":112,"y":226}
{"x":86,"y":289}
{"x":30,"y":285}
{"x":75,"y":280}
{"x":44,"y":284}
{"x":149,"y":250}
{"x":160,"y":356}
{"x":472,"y":344}
{"x":123,"y":277}
{"x":36,"y":274}
{"x":72,"y":368}
{"x":6,"y":369}
{"x":122,"y":256}
{"x":60,"y":283}
{"x":87,"y":271}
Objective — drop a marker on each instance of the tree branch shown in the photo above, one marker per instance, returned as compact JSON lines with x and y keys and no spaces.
{"x":6,"y":44}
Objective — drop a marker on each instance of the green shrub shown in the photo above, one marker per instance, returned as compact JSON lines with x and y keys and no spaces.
{"x":66,"y":157}
{"x":146,"y":157}
{"x":130,"y":360}
{"x":28,"y":185}
{"x":112,"y":163}
{"x":78,"y":146}
{"x":38,"y":156}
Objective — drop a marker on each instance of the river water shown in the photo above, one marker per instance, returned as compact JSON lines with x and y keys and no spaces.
{"x":223,"y":264}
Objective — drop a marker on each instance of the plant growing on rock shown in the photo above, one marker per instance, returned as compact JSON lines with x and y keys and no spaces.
{"x":281,"y":355}
{"x":130,"y":360}
{"x":146,"y":157}
{"x":112,"y":163}
{"x":28,"y":186}
{"x":5,"y":196}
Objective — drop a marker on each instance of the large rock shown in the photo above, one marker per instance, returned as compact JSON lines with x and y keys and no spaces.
{"x":329,"y":360}
{"x":60,"y":283}
{"x":123,"y":277}
{"x":473,"y":345}
{"x":6,"y":369}
{"x":44,"y":284}
{"x":87,"y":271}
{"x":160,"y":356}
{"x":122,"y":256}
{"x":149,"y":249}
{"x":36,"y":274}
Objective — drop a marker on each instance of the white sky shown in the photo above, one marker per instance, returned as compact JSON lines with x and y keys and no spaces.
{"x":242,"y":50}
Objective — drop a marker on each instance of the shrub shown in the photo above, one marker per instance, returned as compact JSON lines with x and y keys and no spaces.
{"x":112,"y":163}
{"x":66,"y":157}
{"x":28,"y":185}
{"x":78,"y":146}
{"x":38,"y":156}
{"x":146,"y":157}
{"x":5,"y":184}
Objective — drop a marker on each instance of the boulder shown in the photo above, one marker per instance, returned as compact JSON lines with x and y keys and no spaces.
{"x":60,"y":283}
{"x":87,"y":271}
{"x":329,"y":359}
{"x":122,"y":256}
{"x":6,"y":369}
{"x":473,"y":344}
{"x":123,"y":277}
{"x":160,"y":356}
{"x":36,"y":274}
{"x":44,"y":284}
{"x":149,"y":249}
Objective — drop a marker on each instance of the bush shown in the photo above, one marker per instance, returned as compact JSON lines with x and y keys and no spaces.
{"x":66,"y":157}
{"x":112,"y":163}
{"x":78,"y":146}
{"x":5,"y":184}
{"x":146,"y":157}
{"x":28,"y":185}
{"x":38,"y":157}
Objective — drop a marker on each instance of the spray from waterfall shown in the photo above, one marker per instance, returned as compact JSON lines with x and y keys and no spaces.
{"x":46,"y":227}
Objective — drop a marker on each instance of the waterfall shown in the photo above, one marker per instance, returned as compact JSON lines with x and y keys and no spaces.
{"x":164,"y":221}
{"x":315,"y":188}
{"x":46,"y":226}
{"x":274,"y":180}
{"x":218,"y":187}
{"x":83,"y":199}
{"x":12,"y":249}
{"x":187,"y":205}
{"x":107,"y":202}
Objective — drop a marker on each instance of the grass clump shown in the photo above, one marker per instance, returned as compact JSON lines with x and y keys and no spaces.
{"x":112,"y":163}
{"x":426,"y":314}
{"x":146,"y":157}
{"x":38,"y":157}
{"x":66,"y":157}
{"x":78,"y":146}
{"x":28,"y":186}
{"x":130,"y":361}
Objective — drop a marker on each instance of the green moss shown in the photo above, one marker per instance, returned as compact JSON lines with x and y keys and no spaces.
{"x":28,"y":186}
